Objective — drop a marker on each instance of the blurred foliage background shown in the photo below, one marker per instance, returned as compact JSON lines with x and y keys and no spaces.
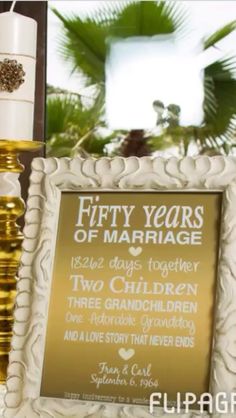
{"x":76,"y":124}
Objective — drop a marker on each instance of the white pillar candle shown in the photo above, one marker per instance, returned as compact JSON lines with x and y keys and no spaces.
{"x":18,"y":40}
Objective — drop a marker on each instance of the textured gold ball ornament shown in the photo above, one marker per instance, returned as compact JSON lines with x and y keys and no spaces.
{"x":11,"y":75}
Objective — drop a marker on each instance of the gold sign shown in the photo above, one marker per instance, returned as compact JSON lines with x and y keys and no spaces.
{"x":132,"y":299}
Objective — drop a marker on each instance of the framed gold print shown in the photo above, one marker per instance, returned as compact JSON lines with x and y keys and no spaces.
{"x":127,"y":288}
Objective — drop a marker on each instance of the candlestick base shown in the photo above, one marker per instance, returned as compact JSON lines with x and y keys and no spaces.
{"x":11,"y":208}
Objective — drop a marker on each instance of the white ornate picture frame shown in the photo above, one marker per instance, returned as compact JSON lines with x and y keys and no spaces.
{"x":49,"y":178}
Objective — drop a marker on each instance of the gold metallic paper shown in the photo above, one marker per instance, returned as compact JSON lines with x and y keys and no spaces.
{"x":88,"y":359}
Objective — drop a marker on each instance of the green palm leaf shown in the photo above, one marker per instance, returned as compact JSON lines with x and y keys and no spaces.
{"x":148,"y":18}
{"x":221,"y":77}
{"x":95,"y":145}
{"x":61,"y":112}
{"x":84,"y":42}
{"x":220,"y":34}
{"x":71,"y":127}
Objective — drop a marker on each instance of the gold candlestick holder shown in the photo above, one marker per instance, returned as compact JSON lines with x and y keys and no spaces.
{"x":11,"y":208}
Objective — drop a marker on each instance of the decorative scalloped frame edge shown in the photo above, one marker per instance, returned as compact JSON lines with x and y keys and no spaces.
{"x":51,"y":176}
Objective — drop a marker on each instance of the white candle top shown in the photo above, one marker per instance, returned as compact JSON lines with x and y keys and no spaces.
{"x":18,"y":34}
{"x":18,"y":42}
